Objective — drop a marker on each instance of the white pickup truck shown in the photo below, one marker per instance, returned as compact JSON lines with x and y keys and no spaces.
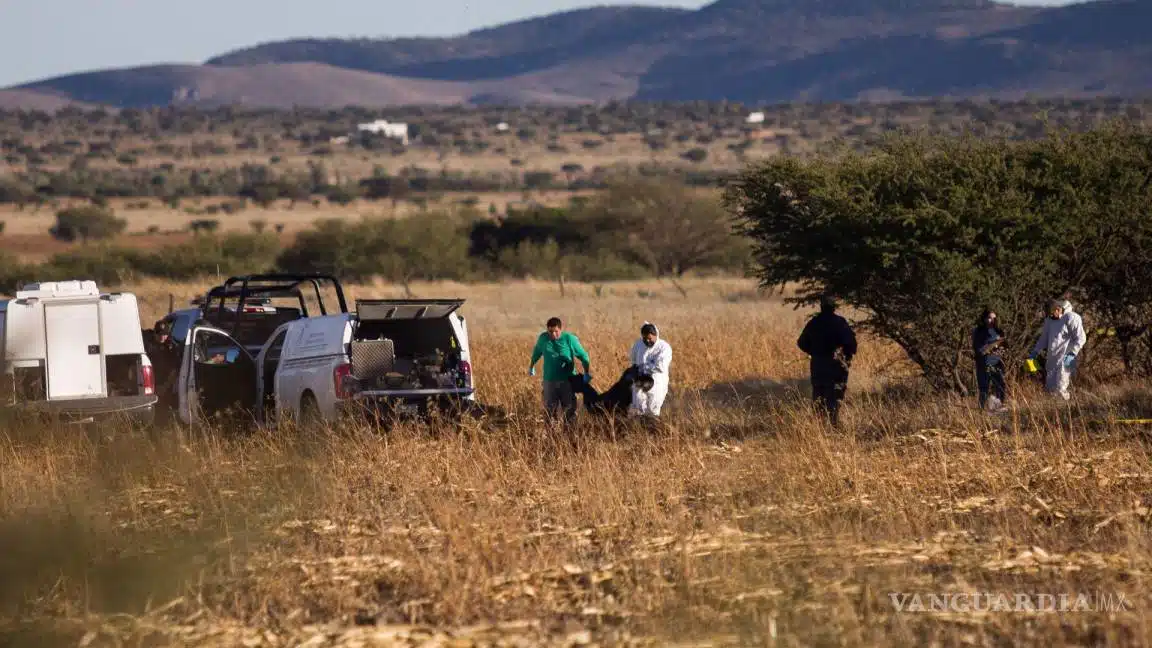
{"x":72,"y":351}
{"x":389,"y":356}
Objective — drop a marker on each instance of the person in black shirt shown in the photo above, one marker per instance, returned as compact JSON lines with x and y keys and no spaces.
{"x":830,"y":342}
{"x":987,"y":341}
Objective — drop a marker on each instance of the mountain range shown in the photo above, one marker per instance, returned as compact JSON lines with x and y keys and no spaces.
{"x":752,"y":51}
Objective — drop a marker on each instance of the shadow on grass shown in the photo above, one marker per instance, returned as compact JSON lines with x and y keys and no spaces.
{"x":758,"y":393}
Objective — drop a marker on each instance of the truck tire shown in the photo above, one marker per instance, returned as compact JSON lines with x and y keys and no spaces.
{"x":309,"y":410}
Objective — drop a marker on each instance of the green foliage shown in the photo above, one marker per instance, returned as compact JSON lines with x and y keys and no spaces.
{"x":925,"y":233}
{"x":340,"y":194}
{"x":13,"y":273}
{"x":16,"y":191}
{"x":547,"y":261}
{"x":665,"y":227}
{"x":107,"y":266}
{"x":211,"y":254}
{"x":204,"y":225}
{"x":431,"y":246}
{"x":87,"y":223}
{"x":696,"y":155}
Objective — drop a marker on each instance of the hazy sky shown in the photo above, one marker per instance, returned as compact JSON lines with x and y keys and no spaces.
{"x":42,"y":38}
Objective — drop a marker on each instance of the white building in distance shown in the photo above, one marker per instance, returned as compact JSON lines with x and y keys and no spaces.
{"x":382,"y":127}
{"x":755,"y":118}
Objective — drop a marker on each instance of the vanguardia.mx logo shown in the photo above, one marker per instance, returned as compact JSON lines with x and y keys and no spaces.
{"x":1107,"y":602}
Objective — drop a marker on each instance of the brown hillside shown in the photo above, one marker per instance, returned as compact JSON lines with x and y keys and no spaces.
{"x":15,"y":99}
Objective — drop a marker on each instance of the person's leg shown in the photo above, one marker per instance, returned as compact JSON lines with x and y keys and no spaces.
{"x":836,"y":394}
{"x":568,"y":400}
{"x":1058,"y":379}
{"x":982,"y":383}
{"x":823,"y":398}
{"x":551,"y":398}
{"x":656,"y":398}
{"x":1065,"y":380}
{"x":999,"y":387}
{"x":1053,"y":377}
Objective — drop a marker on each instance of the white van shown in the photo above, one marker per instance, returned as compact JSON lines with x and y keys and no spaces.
{"x":70,"y":350}
{"x":390,"y":356}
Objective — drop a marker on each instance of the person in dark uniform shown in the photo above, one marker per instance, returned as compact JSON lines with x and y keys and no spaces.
{"x":987,"y":348}
{"x":165,"y":357}
{"x":830,"y":342}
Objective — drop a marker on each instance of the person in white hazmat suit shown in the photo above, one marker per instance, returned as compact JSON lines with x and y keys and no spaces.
{"x":1063,"y":337}
{"x":652,"y":357}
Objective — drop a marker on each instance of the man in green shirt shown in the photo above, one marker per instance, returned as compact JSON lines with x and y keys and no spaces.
{"x":560,"y":349}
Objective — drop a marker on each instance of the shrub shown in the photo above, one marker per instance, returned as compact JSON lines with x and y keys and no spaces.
{"x":232,"y":253}
{"x":340,"y":194}
{"x":665,"y":227}
{"x":13,"y":273}
{"x":695,"y":155}
{"x":107,"y":266}
{"x":539,"y":179}
{"x":204,"y":225}
{"x":17,"y":192}
{"x":87,"y":223}
{"x":433,"y":246}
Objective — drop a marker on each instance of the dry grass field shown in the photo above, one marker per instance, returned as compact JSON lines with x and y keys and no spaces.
{"x":742,"y":521}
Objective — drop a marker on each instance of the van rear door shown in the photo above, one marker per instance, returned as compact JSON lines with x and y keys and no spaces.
{"x":75,"y":361}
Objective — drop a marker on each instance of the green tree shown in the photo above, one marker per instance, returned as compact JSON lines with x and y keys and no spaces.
{"x":919,"y":236}
{"x":664,"y":226}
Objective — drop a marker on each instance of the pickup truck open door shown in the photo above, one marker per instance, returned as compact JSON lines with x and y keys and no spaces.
{"x":217,"y":377}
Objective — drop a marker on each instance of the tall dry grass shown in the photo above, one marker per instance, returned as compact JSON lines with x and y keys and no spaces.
{"x":743,"y":521}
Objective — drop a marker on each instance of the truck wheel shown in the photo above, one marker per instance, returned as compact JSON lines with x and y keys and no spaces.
{"x":309,"y":409}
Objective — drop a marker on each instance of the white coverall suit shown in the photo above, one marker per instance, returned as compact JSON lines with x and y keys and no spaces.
{"x":652,"y":361}
{"x":1061,"y":338}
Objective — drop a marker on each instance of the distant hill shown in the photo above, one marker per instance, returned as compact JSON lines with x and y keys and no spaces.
{"x":742,"y":50}
{"x":15,"y":99}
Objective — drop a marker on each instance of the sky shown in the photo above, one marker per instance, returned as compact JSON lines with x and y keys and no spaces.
{"x":44,"y":38}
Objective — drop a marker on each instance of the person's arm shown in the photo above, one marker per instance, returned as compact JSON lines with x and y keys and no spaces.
{"x":537,"y":351}
{"x":1041,"y":343}
{"x":849,"y":341}
{"x":1079,"y":337}
{"x":805,"y":341}
{"x":579,"y":352}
